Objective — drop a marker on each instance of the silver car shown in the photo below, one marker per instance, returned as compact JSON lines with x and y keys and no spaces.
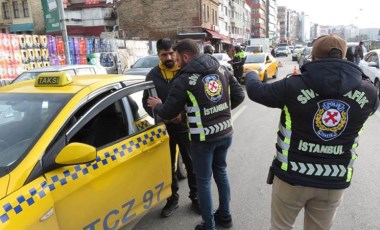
{"x":143,"y":65}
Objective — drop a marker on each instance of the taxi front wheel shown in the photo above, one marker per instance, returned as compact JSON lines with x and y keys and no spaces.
{"x":181,"y":170}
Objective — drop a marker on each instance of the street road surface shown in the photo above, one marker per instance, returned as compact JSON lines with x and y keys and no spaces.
{"x":248,"y":160}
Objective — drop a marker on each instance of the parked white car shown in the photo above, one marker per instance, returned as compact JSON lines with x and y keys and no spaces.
{"x":223,"y":59}
{"x":72,"y":70}
{"x":370,"y":66}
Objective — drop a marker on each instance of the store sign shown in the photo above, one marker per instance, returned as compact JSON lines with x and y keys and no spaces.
{"x":51,"y":15}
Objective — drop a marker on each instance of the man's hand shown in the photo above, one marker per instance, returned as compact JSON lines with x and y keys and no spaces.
{"x":153,"y":101}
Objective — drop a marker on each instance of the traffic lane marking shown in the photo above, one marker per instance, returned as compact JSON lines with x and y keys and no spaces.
{"x":238,"y":113}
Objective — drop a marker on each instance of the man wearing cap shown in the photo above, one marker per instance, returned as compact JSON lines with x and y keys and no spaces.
{"x":323,"y":112}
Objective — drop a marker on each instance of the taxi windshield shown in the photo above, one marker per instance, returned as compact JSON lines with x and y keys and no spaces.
{"x":23,"y":119}
{"x":258,"y":58}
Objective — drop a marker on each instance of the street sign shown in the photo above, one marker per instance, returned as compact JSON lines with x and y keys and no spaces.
{"x":51,"y":15}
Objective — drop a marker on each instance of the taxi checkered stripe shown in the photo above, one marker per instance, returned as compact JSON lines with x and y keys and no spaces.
{"x":23,"y":201}
{"x":143,"y":124}
{"x":26,"y":200}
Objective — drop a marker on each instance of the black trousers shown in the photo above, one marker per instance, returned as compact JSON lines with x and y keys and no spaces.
{"x":238,"y":73}
{"x":183,"y":142}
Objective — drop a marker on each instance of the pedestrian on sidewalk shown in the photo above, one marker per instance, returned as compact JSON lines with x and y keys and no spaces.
{"x":359,"y":54}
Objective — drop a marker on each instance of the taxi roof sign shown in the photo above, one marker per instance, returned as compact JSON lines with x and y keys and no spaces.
{"x":53,"y":79}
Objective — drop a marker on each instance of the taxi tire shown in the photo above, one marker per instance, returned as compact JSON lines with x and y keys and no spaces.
{"x":181,"y":170}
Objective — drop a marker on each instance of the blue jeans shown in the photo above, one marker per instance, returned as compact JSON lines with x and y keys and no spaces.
{"x":209,"y":158}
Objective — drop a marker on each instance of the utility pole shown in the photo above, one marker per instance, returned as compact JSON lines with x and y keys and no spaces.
{"x":64,"y":30}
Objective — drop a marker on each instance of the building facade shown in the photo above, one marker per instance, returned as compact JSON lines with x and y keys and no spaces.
{"x":283,"y":19}
{"x":217,"y":20}
{"x":272,"y":23}
{"x":21,"y":16}
{"x":92,"y":19}
{"x":259,"y":18}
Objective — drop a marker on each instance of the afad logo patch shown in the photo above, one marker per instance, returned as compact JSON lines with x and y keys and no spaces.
{"x":213,"y":87}
{"x":331,"y":119}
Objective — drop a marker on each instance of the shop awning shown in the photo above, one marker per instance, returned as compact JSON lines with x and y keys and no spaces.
{"x":226,"y":40}
{"x":191,"y":35}
{"x":214,"y":35}
{"x":21,"y":27}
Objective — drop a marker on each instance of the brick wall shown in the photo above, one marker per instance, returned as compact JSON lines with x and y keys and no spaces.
{"x":154,"y":19}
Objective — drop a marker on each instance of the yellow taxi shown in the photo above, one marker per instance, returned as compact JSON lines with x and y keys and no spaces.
{"x":80,"y":153}
{"x":264,"y":63}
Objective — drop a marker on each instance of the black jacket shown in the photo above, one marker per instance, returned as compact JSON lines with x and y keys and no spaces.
{"x":350,"y":55}
{"x":162,"y":86}
{"x":323,"y":111}
{"x":208,"y":93}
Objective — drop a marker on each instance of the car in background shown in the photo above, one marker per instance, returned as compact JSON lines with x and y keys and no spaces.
{"x":71,"y":70}
{"x":254,"y":49}
{"x":305,"y":56}
{"x":263,"y":63}
{"x":282,"y":51}
{"x":223,"y":59}
{"x":291,"y":48}
{"x":296,"y":52}
{"x":370,"y":66}
{"x":65,"y":142}
{"x":143,"y":65}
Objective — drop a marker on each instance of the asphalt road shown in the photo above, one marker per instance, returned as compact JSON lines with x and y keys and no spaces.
{"x":248,"y":161}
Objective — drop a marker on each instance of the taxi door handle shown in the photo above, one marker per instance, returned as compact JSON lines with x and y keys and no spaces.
{"x":47,"y":215}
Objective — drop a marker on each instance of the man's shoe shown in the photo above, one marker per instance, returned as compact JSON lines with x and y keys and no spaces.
{"x":169,"y":208}
{"x":201,"y":227}
{"x":196,"y":206}
{"x":223,"y":221}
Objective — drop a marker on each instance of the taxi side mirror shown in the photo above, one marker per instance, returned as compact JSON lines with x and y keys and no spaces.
{"x":268,"y":61}
{"x":76,"y":153}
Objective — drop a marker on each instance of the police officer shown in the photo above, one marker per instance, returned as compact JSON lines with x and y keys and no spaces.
{"x":238,"y":62}
{"x":209,"y":93}
{"x":323,"y":111}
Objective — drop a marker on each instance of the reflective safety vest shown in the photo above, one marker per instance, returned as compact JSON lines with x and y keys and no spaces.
{"x":241,"y":54}
{"x":317,"y":147}
{"x":208,"y":108}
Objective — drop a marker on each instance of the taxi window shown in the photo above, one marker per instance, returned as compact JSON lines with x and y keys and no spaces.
{"x":23,"y":118}
{"x":106,"y":127}
{"x":141,"y":118}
